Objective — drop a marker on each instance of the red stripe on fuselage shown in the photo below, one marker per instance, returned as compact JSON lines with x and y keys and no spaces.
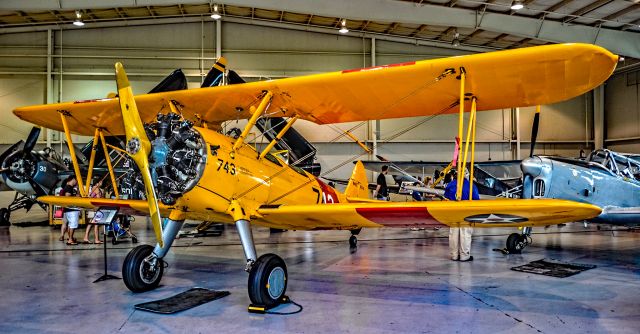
{"x":398,"y":217}
{"x":329,"y":195}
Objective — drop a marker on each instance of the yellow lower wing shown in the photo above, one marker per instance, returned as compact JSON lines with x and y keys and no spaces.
{"x":494,"y":213}
{"x":128,"y":206}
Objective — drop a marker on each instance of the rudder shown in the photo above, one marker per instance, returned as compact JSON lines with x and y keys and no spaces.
{"x":358,"y":186}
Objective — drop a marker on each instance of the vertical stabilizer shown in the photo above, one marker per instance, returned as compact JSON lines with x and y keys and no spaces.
{"x":358,"y":186}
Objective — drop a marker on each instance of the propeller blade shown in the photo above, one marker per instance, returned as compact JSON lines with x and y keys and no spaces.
{"x":138,"y":145}
{"x":534,"y":130}
{"x":11,"y":149}
{"x":32,"y":139}
{"x":234,"y":78}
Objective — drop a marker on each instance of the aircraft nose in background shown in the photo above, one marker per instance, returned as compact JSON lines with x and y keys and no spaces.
{"x":532,"y":166}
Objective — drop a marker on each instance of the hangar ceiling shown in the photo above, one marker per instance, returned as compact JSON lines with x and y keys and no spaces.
{"x":481,"y":24}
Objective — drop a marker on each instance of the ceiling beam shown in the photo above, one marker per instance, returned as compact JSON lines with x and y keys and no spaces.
{"x":586,"y":10}
{"x":621,"y":42}
{"x":621,"y":12}
{"x":556,"y":6}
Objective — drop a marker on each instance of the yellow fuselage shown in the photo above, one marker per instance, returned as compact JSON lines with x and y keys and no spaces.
{"x":239,"y":175}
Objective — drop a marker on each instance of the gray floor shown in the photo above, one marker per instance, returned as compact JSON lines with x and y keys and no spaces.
{"x":397,"y":281}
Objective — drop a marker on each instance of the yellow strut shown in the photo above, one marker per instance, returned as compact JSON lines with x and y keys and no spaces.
{"x":473,"y":145}
{"x":460,"y":128}
{"x":266,"y":99}
{"x":107,"y":158}
{"x":357,"y":141}
{"x":466,"y":148}
{"x":278,"y":137}
{"x":94,"y":147}
{"x":72,"y":151}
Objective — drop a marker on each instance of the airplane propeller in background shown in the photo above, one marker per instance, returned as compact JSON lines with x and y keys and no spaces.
{"x":529,"y":165}
{"x":534,"y":130}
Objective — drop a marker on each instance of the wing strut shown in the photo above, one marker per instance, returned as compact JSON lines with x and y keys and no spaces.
{"x":92,"y":160}
{"x":278,"y":137}
{"x":256,"y":112}
{"x":72,"y":152}
{"x":463,"y":74}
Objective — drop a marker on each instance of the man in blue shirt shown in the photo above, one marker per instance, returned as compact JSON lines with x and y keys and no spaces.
{"x":460,"y":237}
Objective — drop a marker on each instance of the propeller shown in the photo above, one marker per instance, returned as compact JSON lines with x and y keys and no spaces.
{"x":138,"y":145}
{"x":32,"y":139}
{"x":534,"y":130}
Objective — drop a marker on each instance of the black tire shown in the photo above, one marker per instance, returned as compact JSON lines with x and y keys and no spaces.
{"x":267,"y":280}
{"x":5,"y":215}
{"x":136,"y":273}
{"x":514,"y":243}
{"x":353,"y":241}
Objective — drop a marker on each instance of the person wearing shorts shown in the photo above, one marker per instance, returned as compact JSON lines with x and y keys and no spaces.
{"x":71,"y":216}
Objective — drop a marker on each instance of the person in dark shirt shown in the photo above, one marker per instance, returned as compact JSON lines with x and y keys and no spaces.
{"x":382,"y":192}
{"x":460,"y":237}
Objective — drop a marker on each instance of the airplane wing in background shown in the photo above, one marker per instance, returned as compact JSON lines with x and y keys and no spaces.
{"x":519,"y":77}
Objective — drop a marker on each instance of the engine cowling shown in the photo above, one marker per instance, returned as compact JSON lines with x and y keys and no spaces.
{"x":178,"y":156}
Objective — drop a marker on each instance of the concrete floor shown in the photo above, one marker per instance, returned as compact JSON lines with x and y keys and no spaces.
{"x":397,"y":281}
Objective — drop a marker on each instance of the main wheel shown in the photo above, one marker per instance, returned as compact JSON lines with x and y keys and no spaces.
{"x":353,"y":241}
{"x":5,"y":215}
{"x":140,"y":275}
{"x":267,"y":280}
{"x":515,"y":243}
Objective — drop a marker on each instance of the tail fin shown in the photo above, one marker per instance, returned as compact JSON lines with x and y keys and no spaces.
{"x":358,"y":186}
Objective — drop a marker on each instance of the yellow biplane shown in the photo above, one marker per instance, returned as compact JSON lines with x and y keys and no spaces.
{"x":195,"y":172}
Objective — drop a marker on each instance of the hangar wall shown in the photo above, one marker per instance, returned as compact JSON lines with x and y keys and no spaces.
{"x":622,"y":111}
{"x":82,"y":68}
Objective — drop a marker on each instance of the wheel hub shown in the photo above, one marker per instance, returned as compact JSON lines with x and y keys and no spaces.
{"x":276,"y":283}
{"x":149,"y":270}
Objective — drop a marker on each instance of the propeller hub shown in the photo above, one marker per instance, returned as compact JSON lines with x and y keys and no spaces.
{"x":133,"y":145}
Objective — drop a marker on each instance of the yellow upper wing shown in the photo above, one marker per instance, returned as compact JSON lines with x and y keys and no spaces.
{"x":513,"y":78}
{"x":479,"y":213}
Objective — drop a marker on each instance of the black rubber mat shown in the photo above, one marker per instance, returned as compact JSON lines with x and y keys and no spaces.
{"x":182,"y":301}
{"x":553,"y":268}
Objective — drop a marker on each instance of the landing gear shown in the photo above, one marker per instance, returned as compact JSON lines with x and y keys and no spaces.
{"x":517,"y":242}
{"x":143,"y":267}
{"x":267,"y":274}
{"x":142,"y":270}
{"x":5,"y":215}
{"x":267,"y":281}
{"x":353,"y":240}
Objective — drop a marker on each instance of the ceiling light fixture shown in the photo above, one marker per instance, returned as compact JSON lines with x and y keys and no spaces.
{"x":456,"y":39}
{"x":216,"y":15}
{"x":517,"y":5}
{"x":344,"y":29}
{"x":78,"y":21}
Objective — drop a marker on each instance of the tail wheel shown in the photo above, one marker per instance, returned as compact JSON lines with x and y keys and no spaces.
{"x":141,"y":272}
{"x":267,"y":280}
{"x":516,"y":243}
{"x":353,"y":241}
